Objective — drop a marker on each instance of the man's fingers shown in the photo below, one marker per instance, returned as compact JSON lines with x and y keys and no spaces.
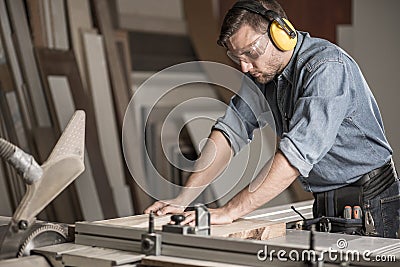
{"x":162,"y":211}
{"x":163,"y":207}
{"x":189,"y":218}
{"x":168,"y":209}
{"x":155,"y":207}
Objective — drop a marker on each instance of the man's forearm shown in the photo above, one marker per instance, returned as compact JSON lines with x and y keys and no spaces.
{"x":213,"y":160}
{"x":271,"y":182}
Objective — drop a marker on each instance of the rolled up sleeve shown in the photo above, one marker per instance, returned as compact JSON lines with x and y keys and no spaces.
{"x":234,"y":129}
{"x":317,"y":115}
{"x":247,"y":111}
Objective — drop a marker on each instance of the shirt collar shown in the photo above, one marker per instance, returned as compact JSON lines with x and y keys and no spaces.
{"x":288,"y":71}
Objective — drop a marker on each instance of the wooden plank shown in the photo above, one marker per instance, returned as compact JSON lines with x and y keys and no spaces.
{"x":7,"y":82}
{"x":10,"y":120}
{"x":250,"y":229}
{"x":139,"y":221}
{"x":120,"y":93}
{"x":11,"y":112}
{"x":63,"y":63}
{"x":122,"y":42}
{"x":48,"y":26}
{"x":59,"y":25}
{"x":3,"y":164}
{"x":5,"y":207}
{"x":18,"y":98}
{"x":21,"y":136}
{"x":37,"y":22}
{"x":241,"y":228}
{"x":28,"y":63}
{"x":79,"y":18}
{"x":120,"y":89}
{"x":11,"y":58}
{"x":100,"y":89}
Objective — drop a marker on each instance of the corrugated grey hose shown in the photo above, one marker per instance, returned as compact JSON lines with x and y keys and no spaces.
{"x":24,"y":163}
{"x":6,"y":149}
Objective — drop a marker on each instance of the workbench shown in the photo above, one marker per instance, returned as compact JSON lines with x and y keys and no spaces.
{"x":110,"y":245}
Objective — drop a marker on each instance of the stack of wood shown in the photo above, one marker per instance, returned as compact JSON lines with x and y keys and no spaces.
{"x":56,"y":58}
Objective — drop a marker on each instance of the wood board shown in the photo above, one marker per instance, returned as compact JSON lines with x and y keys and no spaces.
{"x":37,"y":21}
{"x":79,"y":19}
{"x":121,"y":94}
{"x":28,"y":64}
{"x":241,"y":228}
{"x":59,"y":24}
{"x":100,"y":89}
{"x":9,"y":120}
{"x":9,"y":50}
{"x":122,"y":43}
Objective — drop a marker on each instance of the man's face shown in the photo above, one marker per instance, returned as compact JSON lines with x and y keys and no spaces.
{"x":255,"y":54}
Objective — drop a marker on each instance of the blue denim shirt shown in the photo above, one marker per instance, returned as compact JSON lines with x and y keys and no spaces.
{"x":328,"y":120}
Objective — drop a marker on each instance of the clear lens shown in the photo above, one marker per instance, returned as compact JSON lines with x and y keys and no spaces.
{"x":234,"y":58}
{"x":250,"y":53}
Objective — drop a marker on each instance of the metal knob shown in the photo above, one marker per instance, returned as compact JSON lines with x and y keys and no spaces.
{"x":178,"y":218}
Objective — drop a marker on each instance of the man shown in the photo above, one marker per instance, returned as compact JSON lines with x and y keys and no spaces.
{"x":330,"y":132}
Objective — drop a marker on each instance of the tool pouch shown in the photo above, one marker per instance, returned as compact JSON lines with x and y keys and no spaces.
{"x":335,"y":225}
{"x":328,"y":211}
{"x":332,"y":203}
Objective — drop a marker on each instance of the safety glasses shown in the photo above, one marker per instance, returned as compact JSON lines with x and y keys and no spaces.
{"x":251,"y":52}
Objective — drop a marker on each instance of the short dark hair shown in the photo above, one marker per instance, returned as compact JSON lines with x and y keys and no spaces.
{"x":236,"y":18}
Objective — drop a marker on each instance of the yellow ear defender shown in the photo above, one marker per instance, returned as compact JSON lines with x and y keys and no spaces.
{"x":280,"y":37}
{"x":281,"y":31}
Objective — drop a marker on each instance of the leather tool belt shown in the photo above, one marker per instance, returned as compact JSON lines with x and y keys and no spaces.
{"x":331,"y":204}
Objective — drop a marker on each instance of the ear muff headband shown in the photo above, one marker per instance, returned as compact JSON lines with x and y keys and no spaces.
{"x":281,"y":31}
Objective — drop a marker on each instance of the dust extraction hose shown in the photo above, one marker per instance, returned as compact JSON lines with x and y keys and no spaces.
{"x":6,"y":149}
{"x":24,"y":163}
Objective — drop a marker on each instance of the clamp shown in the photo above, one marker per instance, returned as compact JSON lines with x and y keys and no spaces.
{"x":202,"y":220}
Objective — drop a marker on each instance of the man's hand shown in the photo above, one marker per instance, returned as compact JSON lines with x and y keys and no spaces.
{"x":214,"y":158}
{"x":218,"y":216}
{"x":163,"y":207}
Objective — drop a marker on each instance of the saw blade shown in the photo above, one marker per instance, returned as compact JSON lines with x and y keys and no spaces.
{"x":45,"y":235}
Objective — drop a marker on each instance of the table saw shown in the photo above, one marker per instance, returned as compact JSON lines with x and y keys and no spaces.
{"x":103,"y":244}
{"x":268,"y":237}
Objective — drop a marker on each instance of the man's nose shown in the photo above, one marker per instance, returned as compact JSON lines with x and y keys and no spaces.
{"x":245,"y":66}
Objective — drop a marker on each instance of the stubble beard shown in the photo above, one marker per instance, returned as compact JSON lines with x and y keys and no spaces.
{"x":275,"y":67}
{"x":265,"y":78}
